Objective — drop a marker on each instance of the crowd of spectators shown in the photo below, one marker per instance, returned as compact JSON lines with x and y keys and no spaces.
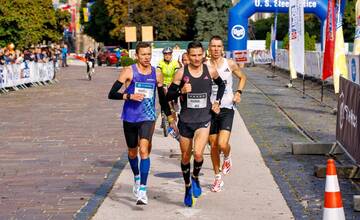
{"x":40,"y":54}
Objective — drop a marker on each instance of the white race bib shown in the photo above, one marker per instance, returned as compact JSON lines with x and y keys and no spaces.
{"x":146,"y":89}
{"x":196,"y":100}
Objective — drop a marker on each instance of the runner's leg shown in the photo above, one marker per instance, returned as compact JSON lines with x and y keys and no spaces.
{"x":200,"y":140}
{"x":215,"y":156}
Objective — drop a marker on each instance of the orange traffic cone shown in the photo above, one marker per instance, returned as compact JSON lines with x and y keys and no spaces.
{"x":333,"y":207}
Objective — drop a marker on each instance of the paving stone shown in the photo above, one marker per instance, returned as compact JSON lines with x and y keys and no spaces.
{"x":56,"y":145}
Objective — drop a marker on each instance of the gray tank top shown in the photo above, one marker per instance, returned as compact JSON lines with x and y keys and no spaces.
{"x":196,"y":106}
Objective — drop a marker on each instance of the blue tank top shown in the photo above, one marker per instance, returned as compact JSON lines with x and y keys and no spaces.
{"x":135,"y":111}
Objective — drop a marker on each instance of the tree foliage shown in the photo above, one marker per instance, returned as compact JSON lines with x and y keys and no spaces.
{"x":349,"y":21}
{"x":268,"y":40}
{"x":100,"y":24}
{"x":309,"y":42}
{"x":261,"y":27}
{"x":169,"y":18}
{"x":27,"y":22}
{"x":211,"y":18}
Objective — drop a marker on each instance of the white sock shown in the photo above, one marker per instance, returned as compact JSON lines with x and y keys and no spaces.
{"x":137,"y":178}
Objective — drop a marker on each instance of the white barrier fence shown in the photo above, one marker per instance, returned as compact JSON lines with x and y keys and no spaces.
{"x":27,"y":72}
{"x":314,"y":61}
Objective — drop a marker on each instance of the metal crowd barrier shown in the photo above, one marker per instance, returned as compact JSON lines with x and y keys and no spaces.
{"x":314,"y":63}
{"x":27,"y":72}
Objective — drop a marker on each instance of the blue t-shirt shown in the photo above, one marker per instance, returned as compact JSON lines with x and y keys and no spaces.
{"x":64,"y":52}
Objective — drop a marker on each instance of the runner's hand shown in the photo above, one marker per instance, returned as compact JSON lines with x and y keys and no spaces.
{"x":237,"y":98}
{"x":186,"y":88}
{"x":173,"y":126}
{"x":215,"y":108}
{"x":137,"y":97}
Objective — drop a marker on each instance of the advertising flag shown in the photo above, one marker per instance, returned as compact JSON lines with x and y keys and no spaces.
{"x":86,"y":14}
{"x":328,"y":60}
{"x":340,"y":65}
{"x":296,"y":37}
{"x":356,"y":50}
{"x":273,"y":38}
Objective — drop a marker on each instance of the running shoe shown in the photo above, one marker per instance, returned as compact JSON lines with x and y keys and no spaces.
{"x":217,"y":185}
{"x":189,"y":200}
{"x":136,"y":186}
{"x":142,"y":197}
{"x":226,"y":166}
{"x":196,"y":188}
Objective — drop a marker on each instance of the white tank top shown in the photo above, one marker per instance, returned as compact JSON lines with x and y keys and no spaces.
{"x":226,"y":75}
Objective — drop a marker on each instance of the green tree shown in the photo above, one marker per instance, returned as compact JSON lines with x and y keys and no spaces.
{"x":168,"y":18}
{"x":63,"y":19}
{"x":261,"y":27}
{"x":211,"y":18}
{"x":349,"y":21}
{"x":100,"y":24}
{"x":27,"y":22}
{"x":309,"y":42}
{"x":268,"y":40}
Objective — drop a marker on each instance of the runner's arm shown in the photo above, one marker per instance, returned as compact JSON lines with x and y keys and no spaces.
{"x":218,"y":81}
{"x":237,"y":72}
{"x":242,"y":79}
{"x":174,"y":89}
{"x":162,"y":98}
{"x":125,"y":75}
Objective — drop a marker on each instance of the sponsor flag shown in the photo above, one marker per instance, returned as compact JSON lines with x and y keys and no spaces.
{"x":296,"y":37}
{"x":356,"y":50}
{"x":340,"y":65}
{"x":273,"y":38}
{"x":328,"y":60}
{"x":86,"y":14}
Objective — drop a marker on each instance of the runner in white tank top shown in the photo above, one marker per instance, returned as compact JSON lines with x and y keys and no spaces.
{"x":221,"y":123}
{"x":226,"y":75}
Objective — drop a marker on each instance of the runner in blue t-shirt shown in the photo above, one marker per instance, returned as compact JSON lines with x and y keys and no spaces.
{"x":139,"y":114}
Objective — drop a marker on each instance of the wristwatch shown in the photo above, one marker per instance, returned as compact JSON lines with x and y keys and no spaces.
{"x":128,"y":96}
{"x":217,"y":101}
{"x":239,"y":91}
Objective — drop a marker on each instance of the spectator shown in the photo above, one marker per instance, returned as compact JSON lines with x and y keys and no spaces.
{"x":118,"y":56}
{"x":8,"y":57}
{"x":2,"y":57}
{"x":64,"y":54}
{"x":176,"y":47}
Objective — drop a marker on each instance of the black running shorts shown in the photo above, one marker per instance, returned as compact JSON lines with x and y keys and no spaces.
{"x":138,"y":130}
{"x":188,"y":129}
{"x":222,"y":121}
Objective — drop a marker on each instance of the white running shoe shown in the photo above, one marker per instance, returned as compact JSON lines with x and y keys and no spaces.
{"x":217,"y":185}
{"x":142,"y":197}
{"x":226,"y":166}
{"x":136,"y":186}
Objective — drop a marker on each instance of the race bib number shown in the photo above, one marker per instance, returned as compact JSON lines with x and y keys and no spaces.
{"x":147,"y":89}
{"x":196,"y":100}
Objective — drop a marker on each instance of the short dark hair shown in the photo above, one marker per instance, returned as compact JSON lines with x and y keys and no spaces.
{"x":141,"y":45}
{"x":194,"y":44}
{"x":215,"y":37}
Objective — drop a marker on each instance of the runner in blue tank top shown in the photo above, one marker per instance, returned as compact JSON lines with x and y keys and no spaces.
{"x":139,"y":114}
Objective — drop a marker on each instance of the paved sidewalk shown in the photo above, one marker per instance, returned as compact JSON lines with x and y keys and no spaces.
{"x":250,"y":190}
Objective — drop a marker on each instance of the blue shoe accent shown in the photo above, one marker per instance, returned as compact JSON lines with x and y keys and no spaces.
{"x":188,"y":200}
{"x":196,"y":188}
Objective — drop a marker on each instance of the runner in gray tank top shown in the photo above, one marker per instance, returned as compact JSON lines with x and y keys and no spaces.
{"x":221,"y":123}
{"x":193,"y":84}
